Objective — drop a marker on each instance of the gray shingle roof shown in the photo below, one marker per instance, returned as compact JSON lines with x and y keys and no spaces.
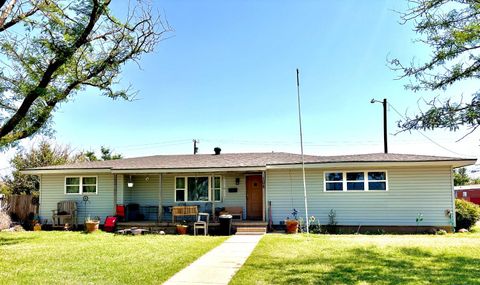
{"x":231,"y":160}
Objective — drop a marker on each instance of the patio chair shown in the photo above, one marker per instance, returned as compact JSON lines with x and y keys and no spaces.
{"x":66,"y":212}
{"x":200,"y":224}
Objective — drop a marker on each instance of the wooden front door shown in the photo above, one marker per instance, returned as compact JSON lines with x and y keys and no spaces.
{"x":254,"y":197}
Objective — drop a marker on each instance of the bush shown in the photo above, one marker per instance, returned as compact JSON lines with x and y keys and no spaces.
{"x":467,"y":214}
{"x":5,"y":220}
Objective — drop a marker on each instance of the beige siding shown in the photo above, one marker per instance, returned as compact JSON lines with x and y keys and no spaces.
{"x":411,"y":191}
{"x":53,"y":188}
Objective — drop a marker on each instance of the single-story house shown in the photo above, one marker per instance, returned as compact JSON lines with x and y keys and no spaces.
{"x":468,"y":192}
{"x":377,"y":190}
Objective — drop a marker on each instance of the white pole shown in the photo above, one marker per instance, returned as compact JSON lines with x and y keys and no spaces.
{"x":301,"y":147}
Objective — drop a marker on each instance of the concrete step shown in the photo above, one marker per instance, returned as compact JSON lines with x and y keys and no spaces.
{"x":251,"y":230}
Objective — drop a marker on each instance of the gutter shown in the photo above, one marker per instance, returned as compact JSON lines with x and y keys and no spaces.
{"x":451,"y":163}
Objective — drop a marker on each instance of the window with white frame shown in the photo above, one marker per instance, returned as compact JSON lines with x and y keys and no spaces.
{"x":355,"y":181}
{"x":198,"y":189}
{"x":81,"y":185}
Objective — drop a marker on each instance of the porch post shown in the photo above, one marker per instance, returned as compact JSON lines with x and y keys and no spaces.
{"x":120,"y":189}
{"x":264,"y":189}
{"x":160,"y":208}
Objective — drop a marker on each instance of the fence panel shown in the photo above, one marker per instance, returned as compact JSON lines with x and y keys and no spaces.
{"x":20,"y":206}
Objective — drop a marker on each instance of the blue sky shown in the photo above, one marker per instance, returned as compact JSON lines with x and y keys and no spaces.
{"x":226,"y":76}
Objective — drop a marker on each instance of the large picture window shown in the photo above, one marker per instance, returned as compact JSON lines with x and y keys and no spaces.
{"x":198,"y":189}
{"x":338,"y":181}
{"x":81,"y":185}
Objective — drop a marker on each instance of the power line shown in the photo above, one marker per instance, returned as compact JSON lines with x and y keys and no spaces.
{"x":424,"y":135}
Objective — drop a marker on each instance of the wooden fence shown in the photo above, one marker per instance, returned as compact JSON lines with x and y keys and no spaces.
{"x":21,"y":206}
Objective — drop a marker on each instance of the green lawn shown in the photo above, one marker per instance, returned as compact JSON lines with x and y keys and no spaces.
{"x":363,"y":259}
{"x":99,"y":258}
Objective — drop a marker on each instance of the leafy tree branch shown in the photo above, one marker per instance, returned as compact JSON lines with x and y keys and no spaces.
{"x":452,"y":29}
{"x":67,"y":47}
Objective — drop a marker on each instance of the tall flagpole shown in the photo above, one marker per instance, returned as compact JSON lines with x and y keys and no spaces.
{"x":301,"y":147}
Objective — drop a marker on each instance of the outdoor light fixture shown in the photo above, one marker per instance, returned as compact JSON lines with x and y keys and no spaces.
{"x":130,"y":182}
{"x":237,"y":181}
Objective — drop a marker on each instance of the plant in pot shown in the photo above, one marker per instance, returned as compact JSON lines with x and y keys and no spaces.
{"x":182,"y":228}
{"x":291,"y":225}
{"x":91,"y":225}
{"x":332,"y":222}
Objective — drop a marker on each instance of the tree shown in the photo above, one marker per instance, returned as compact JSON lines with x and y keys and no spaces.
{"x":45,"y":154}
{"x":106,"y":154}
{"x":452,"y":29}
{"x":460,"y":177}
{"x":51,"y":50}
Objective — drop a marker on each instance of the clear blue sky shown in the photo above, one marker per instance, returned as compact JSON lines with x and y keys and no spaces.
{"x":227,"y":77}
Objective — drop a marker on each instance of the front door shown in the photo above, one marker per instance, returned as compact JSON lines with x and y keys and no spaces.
{"x":254,"y":197}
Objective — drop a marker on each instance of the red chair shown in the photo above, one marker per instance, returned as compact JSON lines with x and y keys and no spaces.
{"x":110,"y":224}
{"x":120,"y":212}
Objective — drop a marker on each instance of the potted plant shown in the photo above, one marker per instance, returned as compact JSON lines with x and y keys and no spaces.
{"x":91,"y":225}
{"x":332,"y":222}
{"x":291,"y":225}
{"x":182,"y":228}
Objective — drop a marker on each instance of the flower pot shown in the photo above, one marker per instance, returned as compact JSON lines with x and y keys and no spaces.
{"x":91,"y":226}
{"x":291,"y":226}
{"x":182,"y":229}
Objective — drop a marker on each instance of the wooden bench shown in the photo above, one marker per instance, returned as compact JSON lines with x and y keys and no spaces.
{"x":181,"y":211}
{"x":236,"y":212}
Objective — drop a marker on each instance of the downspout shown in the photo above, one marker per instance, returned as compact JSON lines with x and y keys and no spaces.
{"x":115,"y":193}
{"x":453,"y":218}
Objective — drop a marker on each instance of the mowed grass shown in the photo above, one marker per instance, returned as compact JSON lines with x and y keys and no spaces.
{"x":363,"y":259}
{"x":99,"y":258}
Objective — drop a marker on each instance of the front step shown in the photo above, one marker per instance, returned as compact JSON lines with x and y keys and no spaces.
{"x":251,"y":230}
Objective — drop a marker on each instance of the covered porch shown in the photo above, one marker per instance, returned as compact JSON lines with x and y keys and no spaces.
{"x":156,"y":199}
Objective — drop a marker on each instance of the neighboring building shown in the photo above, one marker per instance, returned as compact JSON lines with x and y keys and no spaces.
{"x":468,"y":192}
{"x":381,"y":190}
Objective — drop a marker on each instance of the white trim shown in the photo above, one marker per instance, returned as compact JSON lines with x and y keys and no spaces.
{"x":454,"y":164}
{"x":187,"y":170}
{"x":80,"y":185}
{"x":345,"y":181}
{"x":467,"y":187}
{"x":64,"y":171}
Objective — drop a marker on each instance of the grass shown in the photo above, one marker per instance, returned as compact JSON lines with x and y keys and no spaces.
{"x":99,"y":258}
{"x":363,"y":259}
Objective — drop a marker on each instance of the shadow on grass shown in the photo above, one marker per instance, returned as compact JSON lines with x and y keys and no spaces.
{"x":373,"y":266}
{"x":14,"y":240}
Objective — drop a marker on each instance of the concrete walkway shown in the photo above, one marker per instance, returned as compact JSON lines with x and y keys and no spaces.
{"x":220,"y":264}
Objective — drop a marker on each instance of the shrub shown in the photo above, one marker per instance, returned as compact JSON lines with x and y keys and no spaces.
{"x":467,"y":214}
{"x":441,"y":232}
{"x":5,"y":220}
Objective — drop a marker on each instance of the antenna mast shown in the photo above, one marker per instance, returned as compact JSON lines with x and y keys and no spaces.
{"x":303,"y":159}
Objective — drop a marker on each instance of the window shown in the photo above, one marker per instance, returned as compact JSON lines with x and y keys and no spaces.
{"x":198,"y":189}
{"x":81,"y":185}
{"x":377,"y":180}
{"x":217,"y":189}
{"x":334,"y":181}
{"x":72,"y":185}
{"x":355,"y":181}
{"x":180,"y":189}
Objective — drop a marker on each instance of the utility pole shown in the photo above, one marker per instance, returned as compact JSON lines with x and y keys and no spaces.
{"x":195,"y":147}
{"x":385,"y":133}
